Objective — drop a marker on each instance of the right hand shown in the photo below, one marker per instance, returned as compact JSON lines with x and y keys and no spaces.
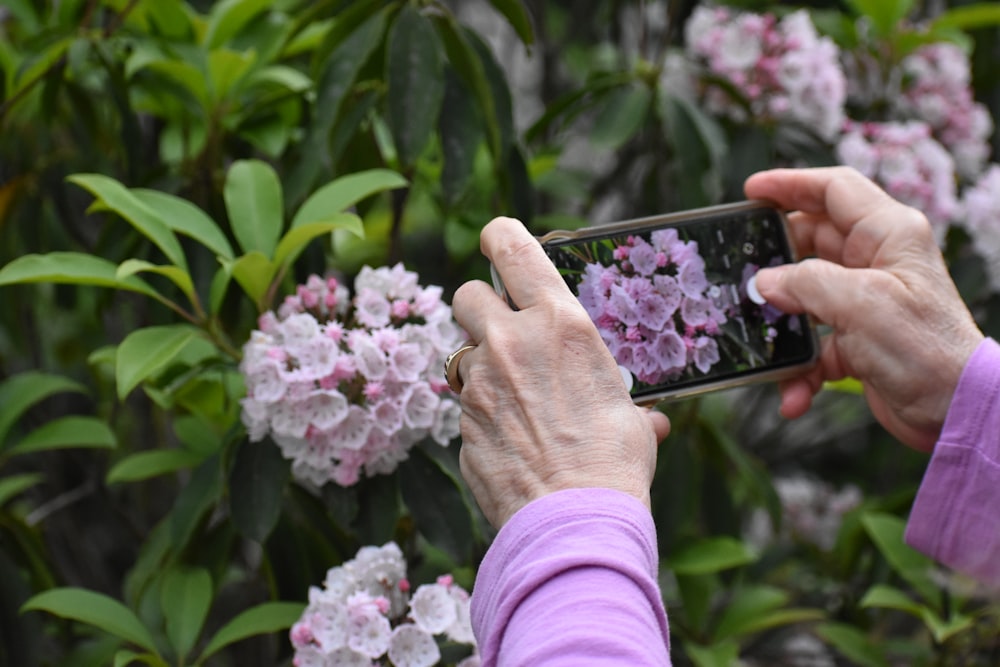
{"x":879,"y":281}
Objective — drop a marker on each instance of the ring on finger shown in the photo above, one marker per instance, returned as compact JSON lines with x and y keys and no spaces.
{"x":451,"y":373}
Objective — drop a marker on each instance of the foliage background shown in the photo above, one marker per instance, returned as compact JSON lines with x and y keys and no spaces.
{"x":545,"y":110}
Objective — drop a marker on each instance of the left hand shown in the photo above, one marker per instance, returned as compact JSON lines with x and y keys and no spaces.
{"x":544,"y":407}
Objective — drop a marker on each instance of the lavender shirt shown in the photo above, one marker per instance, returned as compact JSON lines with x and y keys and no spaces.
{"x":571,"y":578}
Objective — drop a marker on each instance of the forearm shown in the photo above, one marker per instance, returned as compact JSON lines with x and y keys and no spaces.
{"x":956,"y":516}
{"x":571,"y":580}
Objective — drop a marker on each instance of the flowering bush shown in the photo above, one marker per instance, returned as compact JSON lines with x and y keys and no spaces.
{"x":981,"y":206}
{"x":654,"y":306}
{"x":364,"y":613}
{"x":347,"y":384}
{"x":780,"y":70}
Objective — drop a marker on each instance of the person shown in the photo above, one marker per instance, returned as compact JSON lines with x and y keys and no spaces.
{"x":561,"y":461}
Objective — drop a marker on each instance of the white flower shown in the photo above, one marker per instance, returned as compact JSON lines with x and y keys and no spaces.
{"x":412,"y":647}
{"x":433,"y":609}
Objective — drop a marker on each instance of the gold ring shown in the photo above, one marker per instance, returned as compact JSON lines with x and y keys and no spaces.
{"x":451,"y":367}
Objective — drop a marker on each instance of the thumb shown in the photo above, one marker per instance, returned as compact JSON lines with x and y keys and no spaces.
{"x":827,"y":291}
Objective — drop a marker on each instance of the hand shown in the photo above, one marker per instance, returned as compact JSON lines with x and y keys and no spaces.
{"x":880,"y":282}
{"x":544,"y":407}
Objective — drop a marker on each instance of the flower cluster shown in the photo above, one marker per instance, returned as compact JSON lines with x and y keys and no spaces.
{"x":344,"y":385}
{"x":781,"y":69}
{"x":364,"y":614}
{"x":981,"y":205}
{"x":909,"y":163}
{"x":936,"y":91}
{"x":655,"y":307}
{"x":812,"y":511}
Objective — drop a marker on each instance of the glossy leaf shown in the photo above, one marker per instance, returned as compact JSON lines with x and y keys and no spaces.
{"x":228,"y":17}
{"x":887,"y":532}
{"x":888,"y":597}
{"x":517,"y":15}
{"x":853,"y":644}
{"x":177,"y":276}
{"x":283,"y":76}
{"x":461,"y":136}
{"x":185,"y":597}
{"x":341,"y":194}
{"x":623,"y":114}
{"x":254,"y":204}
{"x":71,"y":268}
{"x":884,"y":15}
{"x":113,"y":196}
{"x":710,"y":556}
{"x":701,"y":142}
{"x":145,"y":352}
{"x":296,"y":239}
{"x":723,"y":654}
{"x":124,"y":658}
{"x":434,"y":498}
{"x":94,"y":609}
{"x":153,"y":463}
{"x":220,"y":286}
{"x":746,"y":607}
{"x":256,"y":488}
{"x":968,"y":17}
{"x":185,"y":218}
{"x":12,"y":486}
{"x":253,"y":272}
{"x":226,"y":72}
{"x":194,"y":502}
{"x":415,"y":79}
{"x":262,"y":619}
{"x":20,"y":392}
{"x":64,"y":433}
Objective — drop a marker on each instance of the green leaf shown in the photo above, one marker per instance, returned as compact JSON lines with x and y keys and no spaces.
{"x":124,"y":658}
{"x":185,"y":218}
{"x":283,"y":76}
{"x":297,"y":238}
{"x":746,"y":606}
{"x":256,"y":488}
{"x":415,"y":78}
{"x":72,"y":268}
{"x":853,"y":644}
{"x":968,"y":17}
{"x":723,"y":654}
{"x":220,"y":285}
{"x":434,"y":497}
{"x":623,"y":114}
{"x":228,"y":17}
{"x":94,"y":609}
{"x":177,"y":276}
{"x":147,"y":351}
{"x":253,"y":271}
{"x":885,"y":15}
{"x":20,"y":392}
{"x":709,"y":556}
{"x":701,"y":143}
{"x":945,"y":630}
{"x":226,"y":70}
{"x":886,"y":531}
{"x":144,"y":465}
{"x":14,"y":485}
{"x":195,"y":500}
{"x":461,"y":136}
{"x":342,"y":193}
{"x":185,"y":597}
{"x":259,"y":620}
{"x":254,"y":204}
{"x":887,"y":597}
{"x":845,"y":386}
{"x":67,"y":432}
{"x":517,"y":15}
{"x":112,"y":195}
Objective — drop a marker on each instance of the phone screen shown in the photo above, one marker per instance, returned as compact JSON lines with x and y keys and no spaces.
{"x":671,"y":300}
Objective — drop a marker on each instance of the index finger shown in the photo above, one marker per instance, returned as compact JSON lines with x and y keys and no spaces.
{"x":528,"y":275}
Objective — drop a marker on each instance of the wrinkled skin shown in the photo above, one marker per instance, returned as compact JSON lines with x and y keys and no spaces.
{"x":544,"y":407}
{"x":877,"y":278}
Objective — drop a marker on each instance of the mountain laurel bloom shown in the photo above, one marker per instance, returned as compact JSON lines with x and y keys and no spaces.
{"x":654,"y":306}
{"x":781,"y":70}
{"x":346,"y":386}
{"x":981,"y":205}
{"x":364,"y":615}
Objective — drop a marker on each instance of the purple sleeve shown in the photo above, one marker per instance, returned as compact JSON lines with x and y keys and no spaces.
{"x":571,"y":580}
{"x":956,"y":516}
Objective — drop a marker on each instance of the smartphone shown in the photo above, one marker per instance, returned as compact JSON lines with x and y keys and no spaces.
{"x":674,"y":299}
